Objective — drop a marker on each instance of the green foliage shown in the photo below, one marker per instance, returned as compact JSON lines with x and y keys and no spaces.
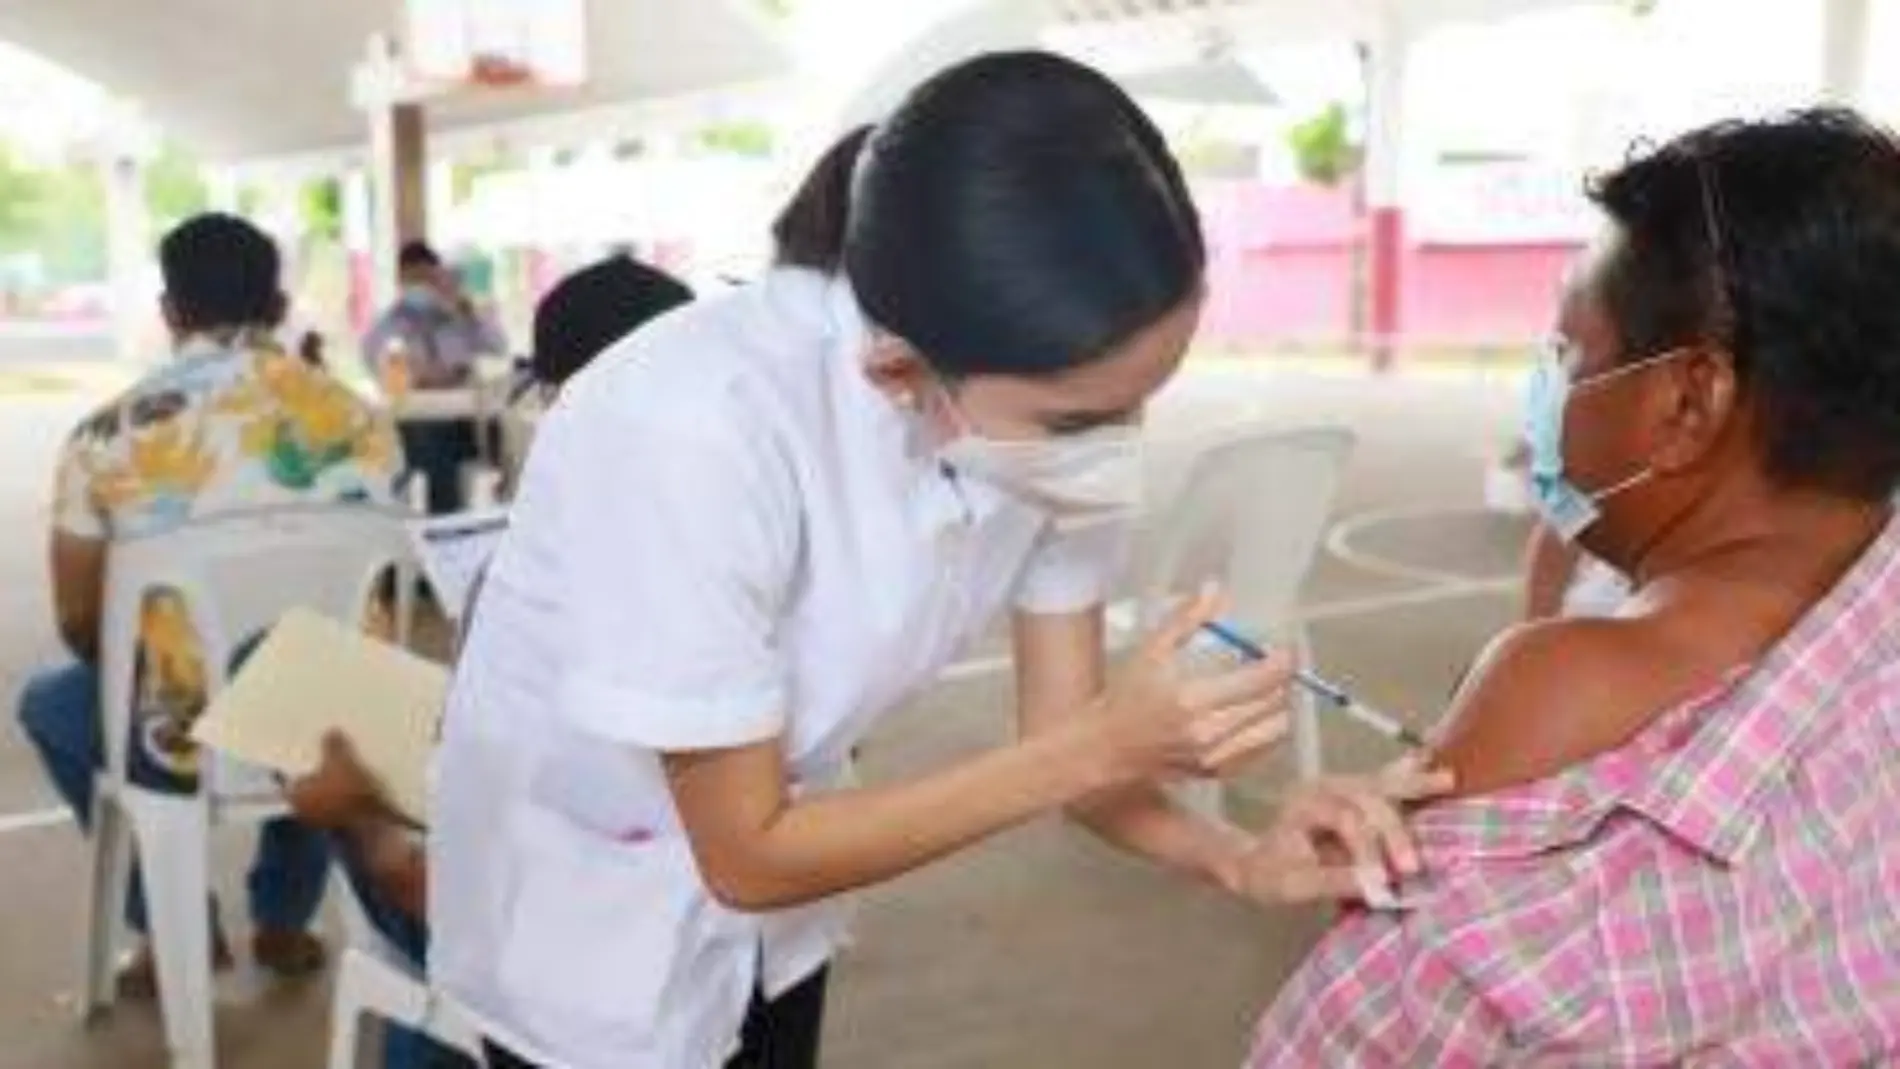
{"x":750,"y":139}
{"x":71,"y":231}
{"x":174,"y":187}
{"x":321,"y":205}
{"x":22,"y":194}
{"x":1323,"y":148}
{"x":57,"y":212}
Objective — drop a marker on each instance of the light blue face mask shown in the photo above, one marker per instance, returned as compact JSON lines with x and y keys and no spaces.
{"x":419,"y":298}
{"x":1565,"y":508}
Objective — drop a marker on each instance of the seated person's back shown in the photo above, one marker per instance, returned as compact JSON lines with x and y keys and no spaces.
{"x":1668,"y":847}
{"x":230,"y":422}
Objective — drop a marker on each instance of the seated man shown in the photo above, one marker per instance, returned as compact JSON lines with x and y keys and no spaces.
{"x":387,"y":866}
{"x":430,"y":339}
{"x":230,"y":423}
{"x":1671,"y":846}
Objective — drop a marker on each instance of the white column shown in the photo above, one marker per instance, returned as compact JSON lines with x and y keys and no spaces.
{"x":1389,"y":49}
{"x":1844,"y":50}
{"x":128,"y":251}
{"x":397,"y":154}
{"x":221,"y":188}
{"x":440,"y":198}
{"x":376,"y":95}
{"x":1388,"y":46}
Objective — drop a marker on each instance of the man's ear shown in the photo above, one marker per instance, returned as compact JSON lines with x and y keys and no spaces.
{"x":168,"y":312}
{"x":1699,"y":401}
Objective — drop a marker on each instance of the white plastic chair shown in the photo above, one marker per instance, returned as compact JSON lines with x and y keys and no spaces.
{"x":374,"y":978}
{"x":236,"y":574}
{"x":1250,"y":512}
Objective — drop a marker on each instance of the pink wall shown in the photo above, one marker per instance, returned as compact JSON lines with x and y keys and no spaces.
{"x":1282,"y":262}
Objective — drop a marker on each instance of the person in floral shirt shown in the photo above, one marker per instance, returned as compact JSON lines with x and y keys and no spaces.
{"x":232,"y":422}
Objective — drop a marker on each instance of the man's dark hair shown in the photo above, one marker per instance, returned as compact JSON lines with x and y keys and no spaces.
{"x":417,"y":254}
{"x":595,"y":307}
{"x":220,"y":271}
{"x":1779,"y":241}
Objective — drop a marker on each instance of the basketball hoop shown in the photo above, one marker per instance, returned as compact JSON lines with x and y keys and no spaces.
{"x":495,"y":44}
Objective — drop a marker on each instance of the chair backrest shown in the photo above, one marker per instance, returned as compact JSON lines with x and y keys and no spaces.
{"x":236,"y":575}
{"x":1249,"y":511}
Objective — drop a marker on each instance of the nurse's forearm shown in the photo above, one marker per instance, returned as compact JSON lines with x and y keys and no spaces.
{"x":1144,"y":821}
{"x":759,"y":850}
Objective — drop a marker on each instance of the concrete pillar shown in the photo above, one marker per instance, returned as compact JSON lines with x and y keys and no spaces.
{"x":1844,"y":50}
{"x":1387,"y":51}
{"x":397,"y":165}
{"x":128,"y":252}
{"x":221,"y":189}
{"x":540,"y":264}
{"x":358,"y":245}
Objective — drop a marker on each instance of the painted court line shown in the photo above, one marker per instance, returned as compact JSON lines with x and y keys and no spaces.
{"x":1339,"y":544}
{"x":39,"y":818}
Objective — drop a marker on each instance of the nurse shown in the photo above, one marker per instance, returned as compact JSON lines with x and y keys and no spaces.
{"x":764,"y":522}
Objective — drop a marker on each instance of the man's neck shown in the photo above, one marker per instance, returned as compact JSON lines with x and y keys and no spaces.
{"x":221,"y":337}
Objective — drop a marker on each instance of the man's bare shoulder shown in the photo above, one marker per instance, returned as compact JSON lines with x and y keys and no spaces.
{"x":1545,"y":696}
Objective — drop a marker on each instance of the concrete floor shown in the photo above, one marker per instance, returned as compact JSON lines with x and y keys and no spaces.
{"x":1039,"y":949}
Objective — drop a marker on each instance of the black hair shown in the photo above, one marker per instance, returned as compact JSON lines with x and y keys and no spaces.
{"x":417,"y":254}
{"x":809,"y":230}
{"x":594,"y":307}
{"x":1019,"y":215}
{"x":1779,"y":241}
{"x":220,"y":271}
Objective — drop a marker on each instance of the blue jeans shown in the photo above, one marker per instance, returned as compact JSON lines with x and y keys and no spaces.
{"x":403,"y":1048}
{"x":60,"y":711}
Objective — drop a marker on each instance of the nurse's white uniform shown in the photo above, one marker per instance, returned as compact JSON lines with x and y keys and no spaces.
{"x":724,"y":534}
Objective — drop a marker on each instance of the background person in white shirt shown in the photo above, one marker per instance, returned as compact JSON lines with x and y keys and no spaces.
{"x":769,"y":518}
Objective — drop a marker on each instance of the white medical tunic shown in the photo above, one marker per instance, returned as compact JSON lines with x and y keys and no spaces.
{"x":724,"y":534}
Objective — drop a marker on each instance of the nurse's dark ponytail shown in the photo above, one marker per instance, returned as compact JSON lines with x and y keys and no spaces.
{"x":1019,"y":215}
{"x":809,"y":231}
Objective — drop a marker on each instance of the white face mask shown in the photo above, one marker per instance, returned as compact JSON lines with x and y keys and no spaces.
{"x":1078,"y":479}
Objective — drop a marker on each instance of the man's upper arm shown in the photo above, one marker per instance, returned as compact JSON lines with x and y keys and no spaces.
{"x":79,"y":581}
{"x":77,"y":552}
{"x":1539,"y":700}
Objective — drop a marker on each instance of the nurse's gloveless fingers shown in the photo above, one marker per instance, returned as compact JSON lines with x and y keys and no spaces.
{"x":1317,"y":809}
{"x":1410,"y":780}
{"x":1181,"y":624}
{"x":1245,"y":745}
{"x":1318,"y":883}
{"x":1212,"y":725}
{"x":1251,"y":681}
{"x":1388,"y":825}
{"x":1284,"y":868}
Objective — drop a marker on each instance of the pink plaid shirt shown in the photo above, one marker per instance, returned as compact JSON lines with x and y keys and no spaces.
{"x":1721,"y":891}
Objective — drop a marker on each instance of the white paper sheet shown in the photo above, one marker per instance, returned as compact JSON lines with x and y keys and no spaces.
{"x":453,"y":550}
{"x":313,"y":675}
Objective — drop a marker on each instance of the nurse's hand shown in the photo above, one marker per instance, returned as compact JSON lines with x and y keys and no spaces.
{"x":1158,"y":724}
{"x":1337,"y":837}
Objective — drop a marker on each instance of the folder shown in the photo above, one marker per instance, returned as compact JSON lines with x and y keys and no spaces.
{"x":313,"y":675}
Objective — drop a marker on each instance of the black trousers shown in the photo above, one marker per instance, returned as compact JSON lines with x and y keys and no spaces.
{"x":780,"y":1034}
{"x":438,"y":451}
